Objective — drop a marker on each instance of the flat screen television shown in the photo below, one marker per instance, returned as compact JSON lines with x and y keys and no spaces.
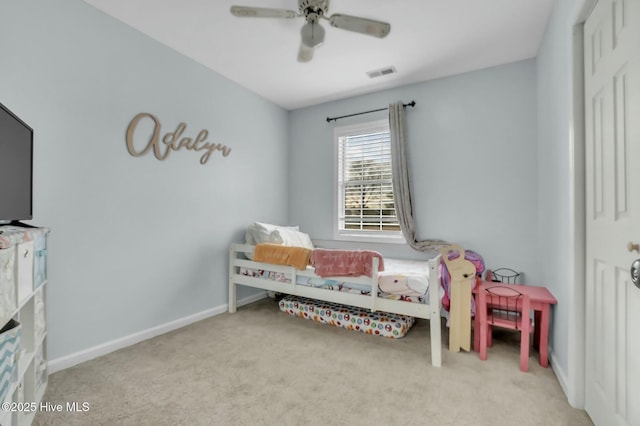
{"x":16,"y":168}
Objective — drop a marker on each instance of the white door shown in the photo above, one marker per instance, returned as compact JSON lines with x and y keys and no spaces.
{"x":612,"y":103}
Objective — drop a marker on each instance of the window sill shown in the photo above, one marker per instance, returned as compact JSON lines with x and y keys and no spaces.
{"x":387,"y":239}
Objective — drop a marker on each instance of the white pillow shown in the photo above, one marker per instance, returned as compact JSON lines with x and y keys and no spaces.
{"x":292,"y":237}
{"x":259,"y":232}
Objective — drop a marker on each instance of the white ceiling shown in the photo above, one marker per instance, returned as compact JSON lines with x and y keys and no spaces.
{"x":428,"y":39}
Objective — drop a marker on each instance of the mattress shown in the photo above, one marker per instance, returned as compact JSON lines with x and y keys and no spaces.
{"x":402,"y":279}
{"x":357,"y":319}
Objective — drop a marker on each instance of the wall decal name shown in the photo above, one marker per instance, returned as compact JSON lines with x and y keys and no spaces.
{"x":172,"y":141}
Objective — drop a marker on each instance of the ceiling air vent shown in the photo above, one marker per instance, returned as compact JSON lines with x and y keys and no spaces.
{"x":382,"y":71}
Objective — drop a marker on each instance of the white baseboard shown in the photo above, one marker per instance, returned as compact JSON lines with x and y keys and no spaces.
{"x":561,"y":375}
{"x":70,"y":360}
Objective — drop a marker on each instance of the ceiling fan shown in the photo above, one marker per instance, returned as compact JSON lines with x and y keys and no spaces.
{"x":312,"y":32}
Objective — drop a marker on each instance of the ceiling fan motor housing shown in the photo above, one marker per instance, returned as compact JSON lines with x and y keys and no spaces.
{"x":313,"y":9}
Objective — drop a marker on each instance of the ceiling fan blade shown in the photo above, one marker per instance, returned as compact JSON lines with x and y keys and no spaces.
{"x":305,"y":54}
{"x":360,"y":25}
{"x":262,"y":12}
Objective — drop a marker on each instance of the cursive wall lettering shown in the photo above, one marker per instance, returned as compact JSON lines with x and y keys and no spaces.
{"x":172,"y":141}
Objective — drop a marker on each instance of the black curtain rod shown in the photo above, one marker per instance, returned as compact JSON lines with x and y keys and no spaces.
{"x":330,"y":119}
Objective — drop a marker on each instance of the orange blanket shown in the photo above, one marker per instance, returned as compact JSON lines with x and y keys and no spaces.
{"x":282,"y":255}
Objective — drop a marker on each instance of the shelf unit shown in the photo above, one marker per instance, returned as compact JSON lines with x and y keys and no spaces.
{"x":23,"y":283}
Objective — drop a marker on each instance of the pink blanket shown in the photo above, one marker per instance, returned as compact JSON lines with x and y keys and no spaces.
{"x":332,"y":263}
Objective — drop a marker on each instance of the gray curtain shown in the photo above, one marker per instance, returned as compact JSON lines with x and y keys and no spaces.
{"x":402,"y":182}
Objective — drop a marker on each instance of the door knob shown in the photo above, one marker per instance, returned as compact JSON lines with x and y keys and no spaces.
{"x":635,"y":272}
{"x":631,"y":246}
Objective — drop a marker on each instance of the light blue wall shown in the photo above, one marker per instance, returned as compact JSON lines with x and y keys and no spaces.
{"x":473,"y":157}
{"x":135,"y":242}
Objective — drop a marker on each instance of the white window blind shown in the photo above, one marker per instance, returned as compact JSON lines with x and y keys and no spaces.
{"x":365,"y":190}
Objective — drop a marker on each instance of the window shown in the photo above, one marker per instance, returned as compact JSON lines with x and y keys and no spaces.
{"x":364,"y":191}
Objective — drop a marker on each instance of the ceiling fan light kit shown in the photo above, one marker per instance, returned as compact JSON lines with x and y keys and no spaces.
{"x":312,"y":33}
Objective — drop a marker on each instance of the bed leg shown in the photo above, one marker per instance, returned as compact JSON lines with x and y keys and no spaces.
{"x":436,"y":340}
{"x":435,"y":323}
{"x":232,"y":298}
{"x":232,"y":285}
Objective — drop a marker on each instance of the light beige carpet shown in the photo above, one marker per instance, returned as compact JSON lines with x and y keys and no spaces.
{"x":261,"y":366}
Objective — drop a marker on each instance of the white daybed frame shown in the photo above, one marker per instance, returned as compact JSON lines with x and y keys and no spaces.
{"x":371,"y":301}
